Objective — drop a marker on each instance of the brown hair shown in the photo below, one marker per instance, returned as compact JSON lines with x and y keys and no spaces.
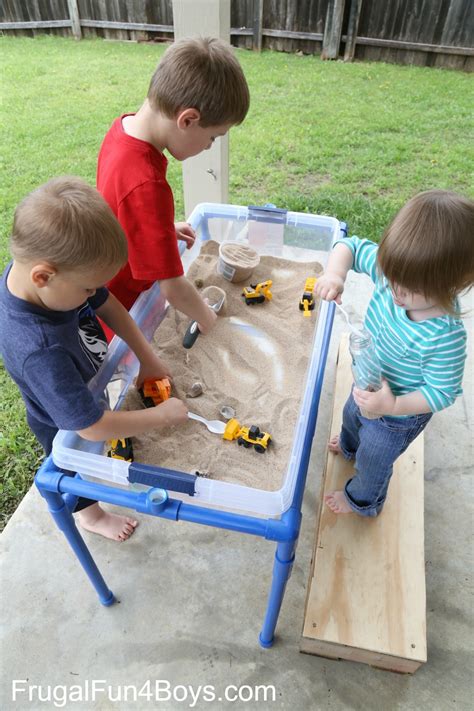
{"x":204,"y":74}
{"x":67,"y":223}
{"x":429,"y":246}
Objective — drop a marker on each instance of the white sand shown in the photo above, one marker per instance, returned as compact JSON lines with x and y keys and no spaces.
{"x":254,"y":360}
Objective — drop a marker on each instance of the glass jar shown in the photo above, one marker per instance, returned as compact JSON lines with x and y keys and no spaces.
{"x":366,"y":368}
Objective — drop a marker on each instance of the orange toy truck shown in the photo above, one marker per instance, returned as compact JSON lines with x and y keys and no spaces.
{"x":154,"y":392}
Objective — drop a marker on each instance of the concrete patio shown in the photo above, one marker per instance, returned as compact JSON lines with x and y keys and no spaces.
{"x":192,"y":600}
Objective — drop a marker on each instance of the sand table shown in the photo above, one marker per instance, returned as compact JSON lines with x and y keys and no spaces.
{"x":254,"y":360}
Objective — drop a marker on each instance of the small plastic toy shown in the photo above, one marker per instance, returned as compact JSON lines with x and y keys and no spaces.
{"x":258,"y":293}
{"x":204,"y":475}
{"x":154,"y":392}
{"x":307,"y":302}
{"x":227,"y":412}
{"x":195,"y":390}
{"x":247,"y":436}
{"x":121,"y":449}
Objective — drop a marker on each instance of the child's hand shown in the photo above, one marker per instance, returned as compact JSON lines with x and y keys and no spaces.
{"x":380,"y":403}
{"x":152,"y":367}
{"x":329,"y":287}
{"x":172,"y":412}
{"x":206,"y":326}
{"x":185,"y":232}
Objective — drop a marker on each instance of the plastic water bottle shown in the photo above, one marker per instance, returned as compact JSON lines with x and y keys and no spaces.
{"x":366,"y":368}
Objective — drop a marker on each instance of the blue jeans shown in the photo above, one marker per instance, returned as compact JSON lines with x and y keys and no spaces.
{"x":375,"y":445}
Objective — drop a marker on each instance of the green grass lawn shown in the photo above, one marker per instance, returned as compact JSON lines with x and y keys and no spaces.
{"x":350,"y":140}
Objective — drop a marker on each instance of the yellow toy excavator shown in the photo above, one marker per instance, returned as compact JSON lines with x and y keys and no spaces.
{"x":258,"y":293}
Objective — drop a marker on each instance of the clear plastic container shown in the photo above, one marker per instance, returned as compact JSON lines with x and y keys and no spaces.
{"x":237,"y":261}
{"x":366,"y":368}
{"x":302,"y":237}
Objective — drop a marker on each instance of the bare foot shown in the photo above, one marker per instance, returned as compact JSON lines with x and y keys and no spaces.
{"x":334,"y":445}
{"x":106,"y":524}
{"x":337,"y":502}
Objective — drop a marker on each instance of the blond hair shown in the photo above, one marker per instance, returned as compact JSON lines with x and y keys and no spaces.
{"x":201,"y":73}
{"x":67,"y":223}
{"x":429,"y":247}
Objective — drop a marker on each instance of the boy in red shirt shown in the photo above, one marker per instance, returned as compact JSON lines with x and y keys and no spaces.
{"x":197,"y":93}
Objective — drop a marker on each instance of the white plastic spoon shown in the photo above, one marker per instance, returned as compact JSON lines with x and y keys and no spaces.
{"x":346,"y":316}
{"x":214,"y":426}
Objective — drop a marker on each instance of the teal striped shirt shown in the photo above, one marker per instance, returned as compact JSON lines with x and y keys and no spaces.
{"x":428,"y":356}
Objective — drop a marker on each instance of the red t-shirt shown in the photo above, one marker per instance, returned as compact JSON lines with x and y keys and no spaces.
{"x":131,"y":176}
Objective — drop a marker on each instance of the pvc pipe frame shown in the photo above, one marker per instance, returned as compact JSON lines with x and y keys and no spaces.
{"x":60,"y":492}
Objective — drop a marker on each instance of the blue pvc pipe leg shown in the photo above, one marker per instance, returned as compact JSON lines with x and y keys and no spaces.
{"x":284,"y":558}
{"x":70,"y":500}
{"x":65,"y":521}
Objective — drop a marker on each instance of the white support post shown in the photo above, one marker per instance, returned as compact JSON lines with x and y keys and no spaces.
{"x":206,"y":176}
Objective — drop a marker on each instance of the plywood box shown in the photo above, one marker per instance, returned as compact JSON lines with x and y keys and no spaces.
{"x":366,"y":598}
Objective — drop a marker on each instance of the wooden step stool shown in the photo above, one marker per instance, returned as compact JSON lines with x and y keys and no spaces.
{"x":366,"y":598}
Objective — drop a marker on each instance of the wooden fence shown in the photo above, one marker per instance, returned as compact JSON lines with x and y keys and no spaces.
{"x":423,"y":32}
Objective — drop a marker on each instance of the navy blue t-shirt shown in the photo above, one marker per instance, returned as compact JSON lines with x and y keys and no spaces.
{"x":52,"y":355}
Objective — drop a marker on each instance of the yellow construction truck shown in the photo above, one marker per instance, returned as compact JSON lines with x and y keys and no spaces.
{"x":307,"y":302}
{"x":247,"y":436}
{"x":258,"y":293}
{"x":121,"y":449}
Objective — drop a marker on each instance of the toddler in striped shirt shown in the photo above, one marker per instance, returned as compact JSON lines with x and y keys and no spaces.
{"x":425,"y":259}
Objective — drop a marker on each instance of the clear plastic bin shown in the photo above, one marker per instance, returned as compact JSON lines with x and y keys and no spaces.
{"x":291,"y":235}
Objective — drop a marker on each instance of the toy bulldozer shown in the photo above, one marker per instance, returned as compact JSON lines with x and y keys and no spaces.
{"x":121,"y":449}
{"x":307,"y":302}
{"x":154,"y":392}
{"x":258,"y":293}
{"x":247,"y":436}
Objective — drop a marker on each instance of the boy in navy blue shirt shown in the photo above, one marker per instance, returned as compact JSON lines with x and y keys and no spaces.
{"x":66,"y":243}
